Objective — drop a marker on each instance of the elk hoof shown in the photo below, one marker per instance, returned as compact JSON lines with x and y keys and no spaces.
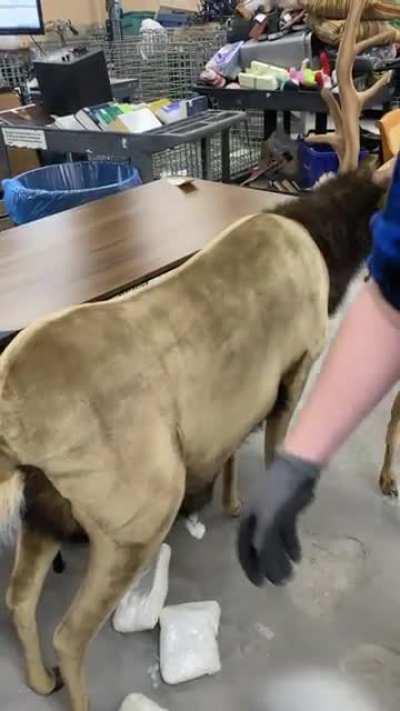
{"x":388,"y":486}
{"x":57,"y":680}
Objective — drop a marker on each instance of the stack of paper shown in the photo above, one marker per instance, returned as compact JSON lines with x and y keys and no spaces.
{"x":132,"y":118}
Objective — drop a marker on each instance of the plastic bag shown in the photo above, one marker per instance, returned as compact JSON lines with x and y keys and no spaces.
{"x":226,"y":61}
{"x":138,"y":702}
{"x":141,"y":607}
{"x":188,"y":641}
{"x":55,"y":188}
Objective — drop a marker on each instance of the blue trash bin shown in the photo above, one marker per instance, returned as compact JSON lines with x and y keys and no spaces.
{"x":315,"y":159}
{"x":46,"y":191}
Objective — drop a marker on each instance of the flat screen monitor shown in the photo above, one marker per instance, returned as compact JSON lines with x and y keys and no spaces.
{"x":21,"y":17}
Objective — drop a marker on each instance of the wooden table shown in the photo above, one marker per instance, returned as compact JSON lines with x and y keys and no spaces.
{"x":101,"y":249}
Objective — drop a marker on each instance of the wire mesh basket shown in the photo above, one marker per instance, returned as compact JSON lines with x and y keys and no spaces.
{"x":15,"y":68}
{"x":189,"y":158}
{"x":166,"y":64}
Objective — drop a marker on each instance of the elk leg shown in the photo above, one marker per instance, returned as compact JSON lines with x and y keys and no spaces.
{"x":387,"y":480}
{"x":230,"y":497}
{"x":278,"y":421}
{"x":113,"y":564}
{"x":34,"y":556}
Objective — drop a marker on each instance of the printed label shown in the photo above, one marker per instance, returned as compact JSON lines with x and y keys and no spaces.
{"x":24,"y":138}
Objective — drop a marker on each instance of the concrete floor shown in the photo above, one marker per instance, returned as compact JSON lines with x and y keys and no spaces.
{"x":341,"y":612}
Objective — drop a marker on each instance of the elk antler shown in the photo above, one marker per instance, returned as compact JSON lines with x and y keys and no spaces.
{"x":346,"y":113}
{"x":334,"y":10}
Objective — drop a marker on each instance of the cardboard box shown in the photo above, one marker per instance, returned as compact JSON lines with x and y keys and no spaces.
{"x":21,"y":160}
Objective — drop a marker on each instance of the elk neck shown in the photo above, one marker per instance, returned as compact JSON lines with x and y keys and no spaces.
{"x":337,"y":217}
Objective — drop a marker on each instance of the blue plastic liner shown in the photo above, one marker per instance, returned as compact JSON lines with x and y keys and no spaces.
{"x":46,"y":191}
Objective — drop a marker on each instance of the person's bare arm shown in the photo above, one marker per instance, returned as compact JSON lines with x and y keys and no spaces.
{"x":361,"y":367}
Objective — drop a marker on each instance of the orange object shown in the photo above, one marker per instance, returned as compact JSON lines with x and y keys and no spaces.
{"x":389,"y":126}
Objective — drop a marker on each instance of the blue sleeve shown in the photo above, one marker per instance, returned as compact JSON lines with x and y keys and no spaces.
{"x":384,"y":262}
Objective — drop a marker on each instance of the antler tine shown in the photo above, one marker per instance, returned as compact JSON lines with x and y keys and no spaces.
{"x":333,"y":139}
{"x":346,"y":114}
{"x":350,"y":103}
{"x":334,"y":107}
{"x":380,"y":39}
{"x":368,"y":94}
{"x":345,"y":139}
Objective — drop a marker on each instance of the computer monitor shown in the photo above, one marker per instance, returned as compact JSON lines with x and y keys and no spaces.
{"x":21,"y":17}
{"x":70,"y":85}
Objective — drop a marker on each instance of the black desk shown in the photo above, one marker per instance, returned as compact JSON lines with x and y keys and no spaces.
{"x":274,"y":102}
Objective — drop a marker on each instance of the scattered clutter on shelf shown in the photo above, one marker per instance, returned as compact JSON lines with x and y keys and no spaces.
{"x":297,"y":51}
{"x":289,"y":45}
{"x":327,"y":19}
{"x":279,"y":158}
{"x":224,"y":70}
{"x":132,"y":118}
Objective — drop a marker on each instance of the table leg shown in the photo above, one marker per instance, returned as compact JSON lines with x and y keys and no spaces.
{"x":321,"y":123}
{"x":4,"y":159}
{"x":204,"y":150}
{"x":144,"y":163}
{"x":270,"y":123}
{"x":287,"y":122}
{"x":226,"y":155}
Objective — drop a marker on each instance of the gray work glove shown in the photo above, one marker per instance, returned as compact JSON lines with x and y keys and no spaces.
{"x":268,"y":540}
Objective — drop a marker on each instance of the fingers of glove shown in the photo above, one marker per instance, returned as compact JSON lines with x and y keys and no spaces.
{"x":291,"y":541}
{"x":274,"y":563}
{"x":248,"y":555}
{"x":306,"y":496}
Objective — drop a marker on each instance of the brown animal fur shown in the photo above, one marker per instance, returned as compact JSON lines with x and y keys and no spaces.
{"x":46,"y":511}
{"x":337,"y":217}
{"x":155,"y":394}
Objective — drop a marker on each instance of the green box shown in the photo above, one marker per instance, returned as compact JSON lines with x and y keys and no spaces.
{"x":132,"y":21}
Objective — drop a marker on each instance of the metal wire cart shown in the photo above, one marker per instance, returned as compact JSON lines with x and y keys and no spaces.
{"x":217,"y":147}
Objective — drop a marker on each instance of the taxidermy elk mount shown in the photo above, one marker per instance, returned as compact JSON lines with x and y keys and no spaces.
{"x":108,"y":435}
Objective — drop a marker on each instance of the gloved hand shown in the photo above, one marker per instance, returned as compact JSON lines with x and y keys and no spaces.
{"x":268,"y":540}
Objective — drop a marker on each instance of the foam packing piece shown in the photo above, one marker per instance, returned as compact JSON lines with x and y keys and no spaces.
{"x":188,"y":641}
{"x":269,"y":70}
{"x":247,"y":80}
{"x":138,"y":702}
{"x":195,"y":527}
{"x":141,"y":607}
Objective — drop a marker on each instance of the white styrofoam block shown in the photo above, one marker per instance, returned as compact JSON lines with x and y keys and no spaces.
{"x":188,"y":641}
{"x":195,"y":527}
{"x":138,"y":702}
{"x":140,"y":608}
